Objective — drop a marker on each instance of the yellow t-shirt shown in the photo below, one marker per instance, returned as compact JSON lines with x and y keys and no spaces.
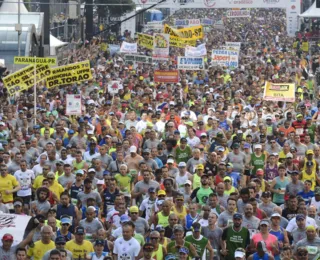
{"x":38,"y":181}
{"x":79,"y":250}
{"x":124,"y":182}
{"x":56,"y":188}
{"x":39,"y":249}
{"x":7,"y":183}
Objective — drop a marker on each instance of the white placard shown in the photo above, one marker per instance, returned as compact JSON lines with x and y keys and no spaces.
{"x":238,"y":13}
{"x":161,"y":45}
{"x":190,"y":63}
{"x":234,"y":45}
{"x":198,"y":51}
{"x":127,"y":47}
{"x":74,"y":106}
{"x":15,"y":225}
{"x":114,"y":86}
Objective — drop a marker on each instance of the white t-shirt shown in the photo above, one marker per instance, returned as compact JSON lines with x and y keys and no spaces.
{"x":37,"y":170}
{"x":25,"y":180}
{"x":126,"y":250}
{"x":146,"y":205}
{"x":293,"y":224}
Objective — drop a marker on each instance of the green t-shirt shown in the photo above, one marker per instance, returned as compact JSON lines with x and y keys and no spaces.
{"x":200,"y":245}
{"x":235,"y":240}
{"x":124,"y":182}
{"x":203,"y":195}
{"x":183,"y":155}
{"x":173,"y":250}
{"x":257,"y":162}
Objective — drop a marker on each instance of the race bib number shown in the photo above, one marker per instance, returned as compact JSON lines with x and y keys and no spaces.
{"x":299,"y":131}
{"x":312,"y":250}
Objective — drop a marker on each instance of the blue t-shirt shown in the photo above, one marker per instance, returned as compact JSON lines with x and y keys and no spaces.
{"x":306,"y":196}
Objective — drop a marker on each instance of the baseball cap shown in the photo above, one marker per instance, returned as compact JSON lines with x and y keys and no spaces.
{"x":196,"y":227}
{"x":7,"y":237}
{"x":60,"y":240}
{"x":184,"y":250}
{"x":300,"y":217}
{"x":309,"y":152}
{"x":17,"y":203}
{"x":258,"y":146}
{"x":159,"y":228}
{"x":99,"y":242}
{"x":79,"y":231}
{"x":124,"y":218}
{"x":170,"y":161}
{"x":236,"y":145}
{"x":134,"y":209}
{"x":289,"y":155}
{"x":237,"y":216}
{"x":182,"y":164}
{"x":100,"y":182}
{"x":151,"y":190}
{"x":259,"y":172}
{"x":188,"y":182}
{"x":264,"y":222}
{"x":227,"y":178}
{"x":162,"y":192}
{"x":66,"y":221}
{"x":239,"y":253}
{"x":275,"y":215}
{"x":266,"y":194}
{"x":51,"y":175}
{"x":92,"y":170}
{"x":246,"y":145}
{"x":133,"y":149}
{"x":200,"y":167}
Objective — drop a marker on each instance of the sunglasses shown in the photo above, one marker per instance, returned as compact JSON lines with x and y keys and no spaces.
{"x":133,"y":213}
{"x":65,"y":224}
{"x":60,"y":244}
{"x":154,"y":238}
{"x":179,"y":200}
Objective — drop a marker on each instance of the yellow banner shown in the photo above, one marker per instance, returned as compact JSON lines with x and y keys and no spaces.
{"x":180,"y":42}
{"x":195,"y":32}
{"x":69,"y":74}
{"x":103,"y":46}
{"x":145,"y":40}
{"x":24,"y":78}
{"x":32,"y":60}
{"x":305,"y":46}
{"x":279,"y":92}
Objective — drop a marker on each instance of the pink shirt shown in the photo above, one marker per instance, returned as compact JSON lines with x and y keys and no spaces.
{"x":271,"y":240}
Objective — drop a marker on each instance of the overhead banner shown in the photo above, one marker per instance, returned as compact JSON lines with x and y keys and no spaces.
{"x":195,"y":32}
{"x":180,"y":42}
{"x":127,"y":47}
{"x":228,"y":58}
{"x":234,"y":45}
{"x":166,"y":76}
{"x":161,"y":46}
{"x":187,"y":22}
{"x":206,"y":22}
{"x":69,"y":74}
{"x":14,"y":225}
{"x":279,"y":92}
{"x":73,"y":105}
{"x":238,"y":13}
{"x":137,"y":58}
{"x":153,"y":26}
{"x":198,"y":51}
{"x":32,"y":60}
{"x":145,"y":40}
{"x":189,"y":63}
{"x":24,"y":78}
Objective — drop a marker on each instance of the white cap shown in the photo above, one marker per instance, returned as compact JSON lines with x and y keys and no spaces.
{"x":258,"y":146}
{"x":275,"y":215}
{"x":90,"y":132}
{"x":203,"y":134}
{"x":133,"y":149}
{"x":170,"y":161}
{"x":100,"y":182}
{"x":181,"y":164}
{"x":188,"y":182}
{"x":239,"y":254}
{"x":239,"y":132}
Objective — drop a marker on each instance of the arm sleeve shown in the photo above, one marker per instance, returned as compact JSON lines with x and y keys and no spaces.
{"x":194,"y":193}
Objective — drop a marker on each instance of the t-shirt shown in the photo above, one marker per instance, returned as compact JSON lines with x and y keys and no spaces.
{"x":124,"y":182}
{"x":214,"y":236}
{"x":82,"y":196}
{"x":313,"y":247}
{"x":146,"y":206}
{"x":126,"y":250}
{"x":39,"y":249}
{"x":235,"y":240}
{"x":56,"y":188}
{"x":64,"y":180}
{"x":225,"y":219}
{"x":8,"y":255}
{"x":90,"y":227}
{"x":79,"y":250}
{"x":7,"y":183}
{"x":25,"y":180}
{"x":142,"y":186}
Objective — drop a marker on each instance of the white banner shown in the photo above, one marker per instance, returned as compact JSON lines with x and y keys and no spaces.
{"x":238,"y":13}
{"x":114,"y":86}
{"x":161,"y":43}
{"x":74,"y":106}
{"x":198,"y":51}
{"x":153,"y":26}
{"x":14,"y":225}
{"x":228,"y":58}
{"x":129,"y":47}
{"x":234,"y":45}
{"x":187,"y":22}
{"x":189,"y":63}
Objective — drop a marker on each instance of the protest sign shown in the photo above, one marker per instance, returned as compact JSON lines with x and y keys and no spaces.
{"x":180,"y":42}
{"x":227,"y":57}
{"x":305,"y":46}
{"x":24,"y":78}
{"x":161,"y":46}
{"x":137,"y":58}
{"x":198,"y":51}
{"x":219,"y":25}
{"x":32,"y":60}
{"x":73,"y":105}
{"x":166,"y":76}
{"x":14,"y":225}
{"x":145,"y":40}
{"x":189,"y":63}
{"x":195,"y":32}
{"x":238,"y":13}
{"x":234,"y":45}
{"x":156,"y":25}
{"x":187,"y":22}
{"x":127,"y":47}
{"x":114,"y":86}
{"x":279,"y":92}
{"x":69,"y":74}
{"x":207,"y":21}
{"x":114,"y":48}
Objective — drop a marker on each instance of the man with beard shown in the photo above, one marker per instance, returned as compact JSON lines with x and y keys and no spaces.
{"x":41,"y":206}
{"x":249,"y":221}
{"x":202,"y":193}
{"x":233,"y":237}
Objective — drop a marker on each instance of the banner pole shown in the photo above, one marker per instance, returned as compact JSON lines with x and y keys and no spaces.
{"x":35,"y":90}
